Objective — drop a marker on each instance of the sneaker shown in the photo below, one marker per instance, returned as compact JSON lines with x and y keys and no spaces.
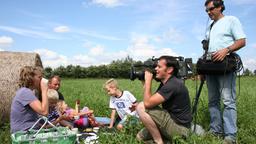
{"x":215,"y":134}
{"x":197,"y":129}
{"x":228,"y":140}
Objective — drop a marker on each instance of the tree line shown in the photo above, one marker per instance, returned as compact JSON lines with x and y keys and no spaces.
{"x":116,"y":69}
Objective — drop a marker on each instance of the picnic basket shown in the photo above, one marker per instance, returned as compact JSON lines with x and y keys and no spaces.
{"x":54,"y":135}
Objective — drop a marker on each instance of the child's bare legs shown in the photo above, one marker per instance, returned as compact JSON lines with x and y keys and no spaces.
{"x":121,"y":124}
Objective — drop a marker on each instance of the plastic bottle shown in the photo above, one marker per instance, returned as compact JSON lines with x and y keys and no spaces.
{"x":77,"y":106}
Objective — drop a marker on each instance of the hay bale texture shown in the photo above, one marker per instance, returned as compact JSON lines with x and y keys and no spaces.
{"x":10,"y":65}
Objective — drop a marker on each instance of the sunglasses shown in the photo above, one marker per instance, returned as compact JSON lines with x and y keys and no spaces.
{"x":210,"y":9}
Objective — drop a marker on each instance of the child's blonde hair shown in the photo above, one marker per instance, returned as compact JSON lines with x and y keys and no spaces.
{"x":53,"y":96}
{"x":60,"y":106}
{"x":111,"y":83}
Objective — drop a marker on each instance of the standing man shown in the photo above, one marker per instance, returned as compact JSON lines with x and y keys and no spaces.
{"x":174,"y":117}
{"x":54,"y":83}
{"x":225,"y":36}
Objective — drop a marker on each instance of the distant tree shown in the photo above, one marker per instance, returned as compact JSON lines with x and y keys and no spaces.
{"x":83,"y":72}
{"x":61,"y":71}
{"x":247,"y":72}
{"x":254,"y":72}
{"x":104,"y":71}
{"x":70,"y":71}
{"x":92,"y":72}
{"x":77,"y":71}
{"x":47,"y":72}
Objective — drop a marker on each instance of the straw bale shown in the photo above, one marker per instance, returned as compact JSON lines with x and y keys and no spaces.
{"x":10,"y":65}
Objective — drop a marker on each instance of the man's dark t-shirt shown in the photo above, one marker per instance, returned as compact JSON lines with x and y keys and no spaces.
{"x":61,"y":97}
{"x":177,"y":101}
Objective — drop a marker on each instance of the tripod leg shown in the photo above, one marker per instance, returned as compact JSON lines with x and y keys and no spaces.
{"x":194,"y":108}
{"x":197,"y":97}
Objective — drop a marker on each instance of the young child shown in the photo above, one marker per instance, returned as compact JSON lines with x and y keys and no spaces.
{"x":122,"y":102}
{"x":83,"y":118}
{"x":54,"y":116}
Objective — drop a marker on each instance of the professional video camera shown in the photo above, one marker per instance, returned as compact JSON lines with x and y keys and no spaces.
{"x":184,"y":68}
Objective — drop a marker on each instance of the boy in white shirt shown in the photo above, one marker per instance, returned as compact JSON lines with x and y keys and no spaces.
{"x":122,"y":102}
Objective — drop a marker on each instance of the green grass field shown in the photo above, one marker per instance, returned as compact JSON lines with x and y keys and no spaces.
{"x":91,"y":94}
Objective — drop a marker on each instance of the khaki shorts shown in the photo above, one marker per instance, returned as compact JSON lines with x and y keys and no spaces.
{"x":167,"y":127}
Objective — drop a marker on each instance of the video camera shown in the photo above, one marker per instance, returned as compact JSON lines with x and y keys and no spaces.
{"x":183,"y":66}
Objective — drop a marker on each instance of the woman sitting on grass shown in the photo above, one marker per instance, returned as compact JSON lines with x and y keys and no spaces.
{"x":26,"y":107}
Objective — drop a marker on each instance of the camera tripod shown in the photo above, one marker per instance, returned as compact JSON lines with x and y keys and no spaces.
{"x":194,"y":108}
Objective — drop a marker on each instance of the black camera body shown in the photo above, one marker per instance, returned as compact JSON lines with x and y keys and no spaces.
{"x":183,"y":66}
{"x":138,"y":70}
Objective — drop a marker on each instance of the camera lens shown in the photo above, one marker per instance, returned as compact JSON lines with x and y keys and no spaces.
{"x":136,"y":74}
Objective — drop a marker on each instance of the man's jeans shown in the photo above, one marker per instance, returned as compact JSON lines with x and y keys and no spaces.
{"x":222,"y":86}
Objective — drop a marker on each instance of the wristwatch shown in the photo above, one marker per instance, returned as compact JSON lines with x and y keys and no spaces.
{"x":229,"y":50}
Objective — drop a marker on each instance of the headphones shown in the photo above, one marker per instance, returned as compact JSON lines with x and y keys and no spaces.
{"x":219,"y":3}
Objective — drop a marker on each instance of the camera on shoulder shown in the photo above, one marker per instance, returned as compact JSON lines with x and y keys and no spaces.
{"x":183,"y":66}
{"x":138,"y":70}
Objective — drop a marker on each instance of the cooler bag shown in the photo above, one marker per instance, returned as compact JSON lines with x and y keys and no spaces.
{"x":54,"y":135}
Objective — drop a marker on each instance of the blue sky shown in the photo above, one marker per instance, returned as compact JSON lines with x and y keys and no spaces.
{"x":94,"y":32}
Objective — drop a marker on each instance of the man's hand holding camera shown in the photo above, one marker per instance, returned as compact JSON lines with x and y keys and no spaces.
{"x":147,"y":85}
{"x":220,"y":54}
{"x":148,"y":77}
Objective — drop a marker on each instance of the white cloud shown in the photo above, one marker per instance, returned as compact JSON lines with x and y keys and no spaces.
{"x":248,"y":58}
{"x":83,"y":60}
{"x":97,"y":55}
{"x":142,"y":49}
{"x":173,"y":35}
{"x":250,"y":64}
{"x":96,"y":51}
{"x":107,"y":3}
{"x":61,"y":29}
{"x":96,"y":35}
{"x":29,"y":33}
{"x":51,"y":58}
{"x":54,"y":60}
{"x":5,"y":42}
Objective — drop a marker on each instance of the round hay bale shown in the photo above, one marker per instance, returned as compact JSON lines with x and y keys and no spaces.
{"x":10,"y":65}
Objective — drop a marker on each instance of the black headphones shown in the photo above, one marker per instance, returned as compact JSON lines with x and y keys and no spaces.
{"x":219,"y":3}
